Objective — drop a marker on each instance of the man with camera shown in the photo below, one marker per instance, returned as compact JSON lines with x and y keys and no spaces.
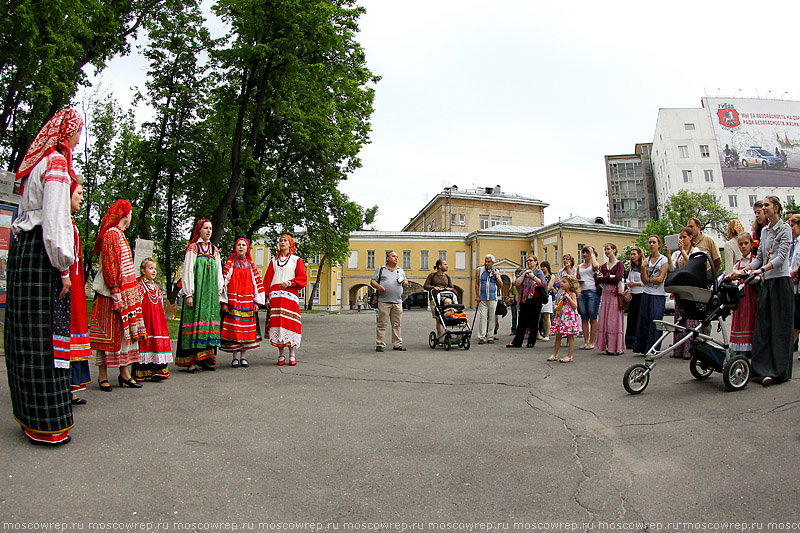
{"x":487,"y":281}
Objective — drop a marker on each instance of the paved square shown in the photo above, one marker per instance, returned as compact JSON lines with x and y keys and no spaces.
{"x":424,"y":439}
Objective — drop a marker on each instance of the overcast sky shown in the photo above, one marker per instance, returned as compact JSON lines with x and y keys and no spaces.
{"x":530,"y":95}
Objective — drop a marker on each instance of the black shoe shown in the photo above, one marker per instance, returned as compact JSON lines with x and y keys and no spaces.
{"x":399,"y":348}
{"x":379,"y":348}
{"x":129,"y":382}
{"x":78,"y":401}
{"x":210,"y":368}
{"x":106,"y":387}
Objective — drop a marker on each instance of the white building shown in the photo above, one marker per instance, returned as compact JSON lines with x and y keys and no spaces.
{"x":688,"y":147}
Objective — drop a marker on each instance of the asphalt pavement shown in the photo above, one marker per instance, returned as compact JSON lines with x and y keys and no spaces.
{"x":354,"y":440}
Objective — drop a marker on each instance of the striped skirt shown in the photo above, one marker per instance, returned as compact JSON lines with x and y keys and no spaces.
{"x":39,"y":391}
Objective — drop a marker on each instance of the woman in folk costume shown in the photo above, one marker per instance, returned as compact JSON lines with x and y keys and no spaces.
{"x":117,"y":324}
{"x":37,"y":328}
{"x":286,"y":275}
{"x":80,"y":351}
{"x":244,"y":292}
{"x":155,"y":352}
{"x":202,"y":284}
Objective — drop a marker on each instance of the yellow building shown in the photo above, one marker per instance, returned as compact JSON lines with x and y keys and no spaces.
{"x":456,"y":210}
{"x":341,"y":285}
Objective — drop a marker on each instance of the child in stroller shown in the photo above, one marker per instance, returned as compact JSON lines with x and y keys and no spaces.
{"x":452,"y":319}
{"x":705,"y":300}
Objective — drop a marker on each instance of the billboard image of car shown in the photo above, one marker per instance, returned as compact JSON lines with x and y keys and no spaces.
{"x":758,"y":141}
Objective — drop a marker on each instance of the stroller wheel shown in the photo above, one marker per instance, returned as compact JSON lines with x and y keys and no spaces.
{"x":465,"y":342}
{"x":636,"y":379}
{"x":736,"y":373}
{"x":699,"y":369}
{"x":432,"y":339}
{"x":447,"y":342}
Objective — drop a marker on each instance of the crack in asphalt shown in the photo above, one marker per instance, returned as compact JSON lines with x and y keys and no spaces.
{"x":287,"y":372}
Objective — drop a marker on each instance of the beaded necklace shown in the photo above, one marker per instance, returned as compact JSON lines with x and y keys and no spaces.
{"x":284,"y":262}
{"x":152,"y":294}
{"x":208,"y":251}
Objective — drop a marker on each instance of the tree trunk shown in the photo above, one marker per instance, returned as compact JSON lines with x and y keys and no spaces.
{"x":310,"y":301}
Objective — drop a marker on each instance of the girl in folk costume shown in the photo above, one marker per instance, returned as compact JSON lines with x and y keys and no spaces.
{"x":744,"y":318}
{"x":117,"y":323}
{"x":244,"y":291}
{"x":79,"y":349}
{"x":567,"y":322}
{"x":202,"y":285}
{"x":37,"y":328}
{"x":155,"y":352}
{"x":286,"y":275}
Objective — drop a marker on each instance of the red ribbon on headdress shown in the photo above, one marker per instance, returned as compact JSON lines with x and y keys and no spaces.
{"x":54,"y":135}
{"x":116,"y":212}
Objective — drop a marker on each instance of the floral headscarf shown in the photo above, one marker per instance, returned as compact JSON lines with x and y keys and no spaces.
{"x":116,"y":212}
{"x":229,"y":264}
{"x":53,"y":136}
{"x":291,"y":242}
{"x":196,"y":233}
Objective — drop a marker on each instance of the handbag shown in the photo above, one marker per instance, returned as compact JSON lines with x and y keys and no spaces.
{"x":501,"y":308}
{"x":624,"y":298}
{"x":373,"y":298}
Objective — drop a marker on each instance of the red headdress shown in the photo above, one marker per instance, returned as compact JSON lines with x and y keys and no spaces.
{"x":291,"y":242}
{"x":53,"y":136}
{"x":256,"y":274}
{"x":196,"y":233}
{"x":116,"y":212}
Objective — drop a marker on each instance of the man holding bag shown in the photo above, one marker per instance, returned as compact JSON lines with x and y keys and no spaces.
{"x":389,"y":282}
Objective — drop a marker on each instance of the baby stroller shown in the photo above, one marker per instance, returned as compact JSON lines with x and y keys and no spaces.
{"x":456,"y":328}
{"x":706,"y":300}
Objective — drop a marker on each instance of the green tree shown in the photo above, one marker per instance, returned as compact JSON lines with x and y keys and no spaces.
{"x":703,"y":206}
{"x":44,"y":47}
{"x":291,"y":110}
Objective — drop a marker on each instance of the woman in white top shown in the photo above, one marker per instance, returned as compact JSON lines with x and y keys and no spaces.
{"x":676,"y":261}
{"x":588,"y":301}
{"x":636,"y":288}
{"x":654,"y":272}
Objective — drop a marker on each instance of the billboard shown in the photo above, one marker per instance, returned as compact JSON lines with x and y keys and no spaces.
{"x":758,"y":141}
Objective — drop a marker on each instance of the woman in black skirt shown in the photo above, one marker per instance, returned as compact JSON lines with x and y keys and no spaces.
{"x":37,"y":330}
{"x":772,"y":337}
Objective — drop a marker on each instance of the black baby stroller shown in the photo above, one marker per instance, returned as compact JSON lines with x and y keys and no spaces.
{"x":704,"y":299}
{"x":456,"y":328}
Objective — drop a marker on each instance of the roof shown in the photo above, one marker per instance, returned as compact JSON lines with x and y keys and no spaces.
{"x":506,"y":229}
{"x":596,"y":223}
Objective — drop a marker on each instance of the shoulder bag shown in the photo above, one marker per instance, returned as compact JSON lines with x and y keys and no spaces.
{"x":373,"y":299}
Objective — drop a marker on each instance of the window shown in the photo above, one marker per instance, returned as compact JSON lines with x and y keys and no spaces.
{"x":704,"y":152}
{"x":578,"y":258}
{"x":688,"y":126}
{"x":523,"y":255}
{"x":423,"y":260}
{"x":443,"y":255}
{"x":684,"y":151}
{"x":732,"y":201}
{"x":461,"y":260}
{"x":790,"y":200}
{"x":458,"y":219}
{"x":259,"y":256}
{"x":406,"y":259}
{"x":555,"y":254}
{"x":496,"y":220}
{"x":753,"y":199}
{"x":313,"y":260}
{"x":506,"y":221}
{"x":687,"y":176}
{"x":544,"y":256}
{"x":709,"y":174}
{"x":316,"y":294}
{"x":484,"y":221}
{"x":352,"y":261}
{"x":370,"y":259}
